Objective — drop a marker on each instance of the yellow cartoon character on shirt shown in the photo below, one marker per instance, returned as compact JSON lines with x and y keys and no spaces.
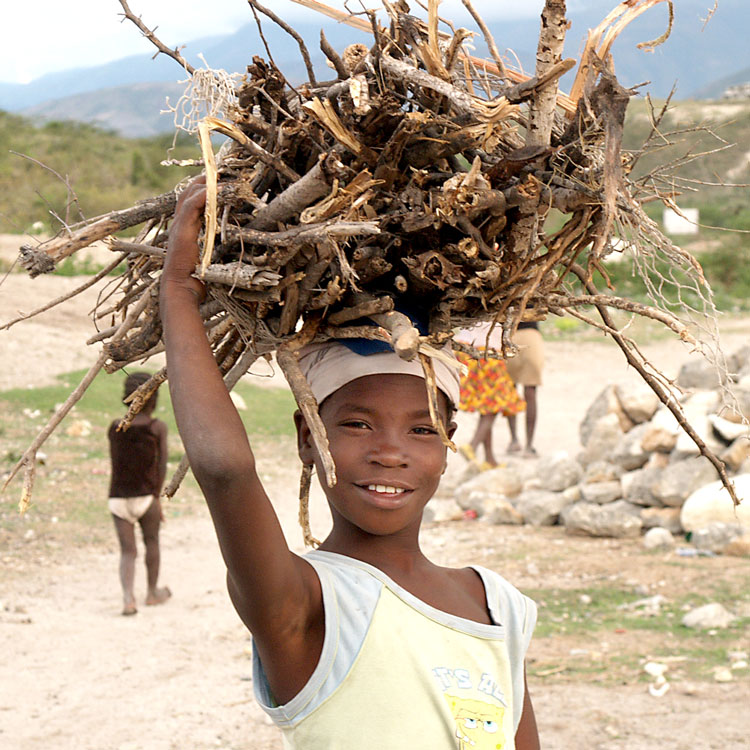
{"x":479,"y":725}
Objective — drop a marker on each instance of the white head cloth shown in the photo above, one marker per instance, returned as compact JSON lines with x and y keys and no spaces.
{"x":330,"y":365}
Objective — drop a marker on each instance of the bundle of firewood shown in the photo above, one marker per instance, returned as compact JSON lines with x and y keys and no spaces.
{"x":420,"y":176}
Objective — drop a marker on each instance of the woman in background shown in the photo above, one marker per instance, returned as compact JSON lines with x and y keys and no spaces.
{"x":486,"y":389}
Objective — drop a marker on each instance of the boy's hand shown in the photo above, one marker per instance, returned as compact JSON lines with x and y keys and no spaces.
{"x":182,"y":248}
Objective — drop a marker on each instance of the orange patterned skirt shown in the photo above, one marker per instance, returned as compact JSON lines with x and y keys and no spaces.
{"x":487,"y":388}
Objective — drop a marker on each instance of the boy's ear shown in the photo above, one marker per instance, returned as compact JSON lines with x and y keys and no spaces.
{"x":451,"y":431}
{"x":304,"y":439}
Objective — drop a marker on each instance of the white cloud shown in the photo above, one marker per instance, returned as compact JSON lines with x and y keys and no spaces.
{"x":42,"y":36}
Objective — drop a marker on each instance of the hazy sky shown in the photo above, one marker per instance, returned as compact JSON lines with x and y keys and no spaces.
{"x":43,"y":36}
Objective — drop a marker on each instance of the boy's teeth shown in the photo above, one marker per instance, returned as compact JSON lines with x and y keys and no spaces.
{"x":384,"y":488}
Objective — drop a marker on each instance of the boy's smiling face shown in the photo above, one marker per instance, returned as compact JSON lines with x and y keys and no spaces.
{"x":388,"y":456}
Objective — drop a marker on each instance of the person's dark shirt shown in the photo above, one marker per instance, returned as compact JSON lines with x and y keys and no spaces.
{"x":134,"y":454}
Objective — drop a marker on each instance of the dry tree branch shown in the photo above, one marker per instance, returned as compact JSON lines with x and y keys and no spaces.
{"x":432,"y":401}
{"x":710,"y":14}
{"x":42,"y":259}
{"x":565,"y":301}
{"x":304,"y":506}
{"x":289,"y":30}
{"x":564,"y":101}
{"x":488,"y":38}
{"x":233,"y":132}
{"x":663,"y":396}
{"x":333,"y":57}
{"x":654,"y":43}
{"x":337,"y":15}
{"x":149,"y":34}
{"x":609,"y":29}
{"x":548,"y":55}
{"x":287,"y":357}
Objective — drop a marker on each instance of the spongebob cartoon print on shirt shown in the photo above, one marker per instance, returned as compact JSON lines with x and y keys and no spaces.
{"x":478,"y":709}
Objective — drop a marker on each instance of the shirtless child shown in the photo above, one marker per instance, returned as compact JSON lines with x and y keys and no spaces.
{"x":139,"y":462}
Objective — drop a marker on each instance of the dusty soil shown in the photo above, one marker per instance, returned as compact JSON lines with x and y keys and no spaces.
{"x":78,"y":675}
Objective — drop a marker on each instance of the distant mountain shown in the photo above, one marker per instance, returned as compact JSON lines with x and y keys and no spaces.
{"x":696,"y":58}
{"x":135,"y":111}
{"x":716,"y":89}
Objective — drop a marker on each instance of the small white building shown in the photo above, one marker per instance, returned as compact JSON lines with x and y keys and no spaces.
{"x":686,"y":222}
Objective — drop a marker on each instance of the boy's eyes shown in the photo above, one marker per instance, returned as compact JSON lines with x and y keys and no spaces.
{"x":422,"y":430}
{"x":360,"y":424}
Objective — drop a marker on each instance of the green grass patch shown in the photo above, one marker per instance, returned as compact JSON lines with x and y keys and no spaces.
{"x":578,"y":611}
{"x":580,"y":621}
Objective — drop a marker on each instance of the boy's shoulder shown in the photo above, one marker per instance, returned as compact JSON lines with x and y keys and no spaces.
{"x":507,"y":605}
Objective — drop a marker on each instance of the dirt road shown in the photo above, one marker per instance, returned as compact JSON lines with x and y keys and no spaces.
{"x":75,"y":674}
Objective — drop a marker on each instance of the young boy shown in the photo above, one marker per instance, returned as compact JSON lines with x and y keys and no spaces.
{"x":363,"y":643}
{"x":138,"y":458}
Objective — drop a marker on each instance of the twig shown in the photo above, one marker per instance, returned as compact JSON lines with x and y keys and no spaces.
{"x":149,"y":34}
{"x":233,"y":132}
{"x":289,"y":30}
{"x":42,"y":259}
{"x":333,"y":57}
{"x":488,"y":38}
{"x":64,"y":180}
{"x":29,"y":455}
{"x":287,"y":357}
{"x":665,"y":398}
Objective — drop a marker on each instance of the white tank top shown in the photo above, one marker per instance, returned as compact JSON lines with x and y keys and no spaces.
{"x":397,"y":673}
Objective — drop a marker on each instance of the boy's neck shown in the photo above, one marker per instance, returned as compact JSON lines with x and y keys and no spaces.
{"x":397,"y":555}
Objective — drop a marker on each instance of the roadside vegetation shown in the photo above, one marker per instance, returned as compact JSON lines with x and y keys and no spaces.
{"x":74,"y":171}
{"x":105,"y":172}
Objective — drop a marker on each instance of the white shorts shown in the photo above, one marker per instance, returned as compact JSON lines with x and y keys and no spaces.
{"x":130,"y":509}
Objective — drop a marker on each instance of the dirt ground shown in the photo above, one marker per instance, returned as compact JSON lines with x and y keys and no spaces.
{"x":75,"y":674}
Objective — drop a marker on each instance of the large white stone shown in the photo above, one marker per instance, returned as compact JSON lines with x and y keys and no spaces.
{"x":503,"y":480}
{"x":606,"y":434}
{"x":680,"y":479}
{"x":605,"y":403}
{"x":618,"y":519}
{"x":711,"y":503}
{"x":540,"y":507}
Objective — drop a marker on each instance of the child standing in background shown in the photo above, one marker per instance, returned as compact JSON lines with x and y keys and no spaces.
{"x":139,"y":462}
{"x":364,"y":642}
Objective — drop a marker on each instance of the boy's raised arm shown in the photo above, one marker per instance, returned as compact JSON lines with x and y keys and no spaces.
{"x":273,"y":589}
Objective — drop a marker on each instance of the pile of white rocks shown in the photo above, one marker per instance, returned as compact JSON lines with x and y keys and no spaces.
{"x":638,"y":470}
